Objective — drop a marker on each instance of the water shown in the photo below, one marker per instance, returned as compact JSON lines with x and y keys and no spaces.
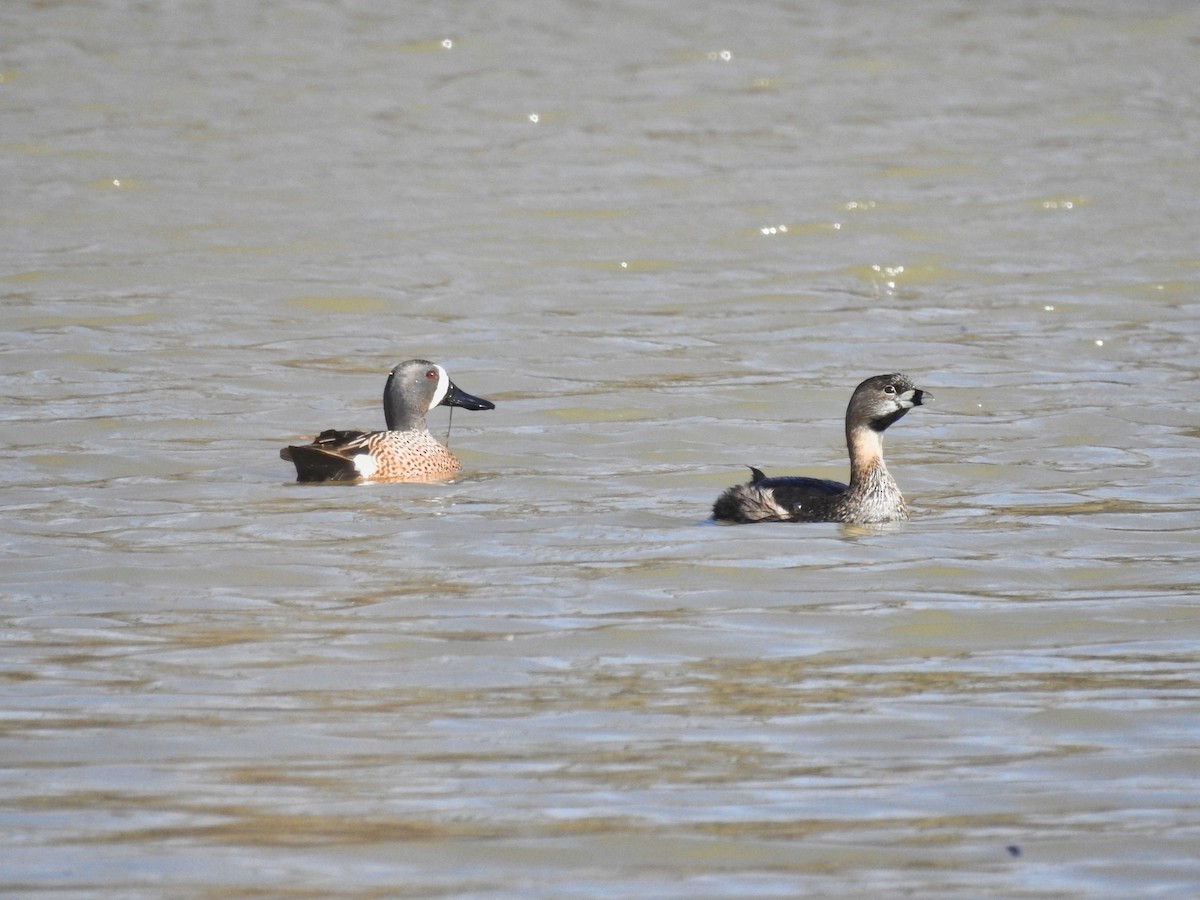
{"x":667,"y":241}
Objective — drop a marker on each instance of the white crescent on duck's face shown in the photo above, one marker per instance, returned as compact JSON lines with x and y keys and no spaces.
{"x":443,"y":385}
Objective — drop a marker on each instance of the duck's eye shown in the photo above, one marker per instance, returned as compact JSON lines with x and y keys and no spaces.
{"x":890,"y":389}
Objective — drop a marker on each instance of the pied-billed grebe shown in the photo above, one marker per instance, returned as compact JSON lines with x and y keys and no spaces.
{"x":872,"y":494}
{"x":406,"y":451}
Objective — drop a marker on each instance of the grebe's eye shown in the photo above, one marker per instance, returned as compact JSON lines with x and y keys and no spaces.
{"x":431,"y":374}
{"x":890,"y":389}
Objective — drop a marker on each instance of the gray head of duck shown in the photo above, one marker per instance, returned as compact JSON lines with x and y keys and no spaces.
{"x":416,"y":386}
{"x":883,"y":400}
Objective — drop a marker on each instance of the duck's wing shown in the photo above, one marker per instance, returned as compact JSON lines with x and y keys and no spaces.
{"x":330,"y":457}
{"x":331,"y":439}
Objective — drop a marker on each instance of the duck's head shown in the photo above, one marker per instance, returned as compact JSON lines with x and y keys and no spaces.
{"x":416,"y":386}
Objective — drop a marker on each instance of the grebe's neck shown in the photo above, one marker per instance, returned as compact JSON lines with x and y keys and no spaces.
{"x":866,"y":452}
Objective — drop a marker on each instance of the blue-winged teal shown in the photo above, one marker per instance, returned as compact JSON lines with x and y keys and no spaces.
{"x":406,"y":451}
{"x":872,"y":494}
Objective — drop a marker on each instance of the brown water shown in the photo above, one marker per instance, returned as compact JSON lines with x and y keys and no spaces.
{"x":552,"y":677}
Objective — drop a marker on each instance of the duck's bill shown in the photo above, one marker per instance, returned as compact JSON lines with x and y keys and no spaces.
{"x":455,"y":396}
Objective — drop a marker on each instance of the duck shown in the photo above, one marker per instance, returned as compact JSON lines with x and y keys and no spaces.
{"x":406,"y":451}
{"x":871,"y":497}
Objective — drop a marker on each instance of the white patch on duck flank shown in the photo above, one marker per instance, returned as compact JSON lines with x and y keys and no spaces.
{"x":365,"y":464}
{"x":443,"y":385}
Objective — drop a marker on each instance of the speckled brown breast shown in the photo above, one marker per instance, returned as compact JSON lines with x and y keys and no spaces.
{"x":409,"y":456}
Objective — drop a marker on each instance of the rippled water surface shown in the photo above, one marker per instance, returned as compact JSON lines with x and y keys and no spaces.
{"x":667,"y":240}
